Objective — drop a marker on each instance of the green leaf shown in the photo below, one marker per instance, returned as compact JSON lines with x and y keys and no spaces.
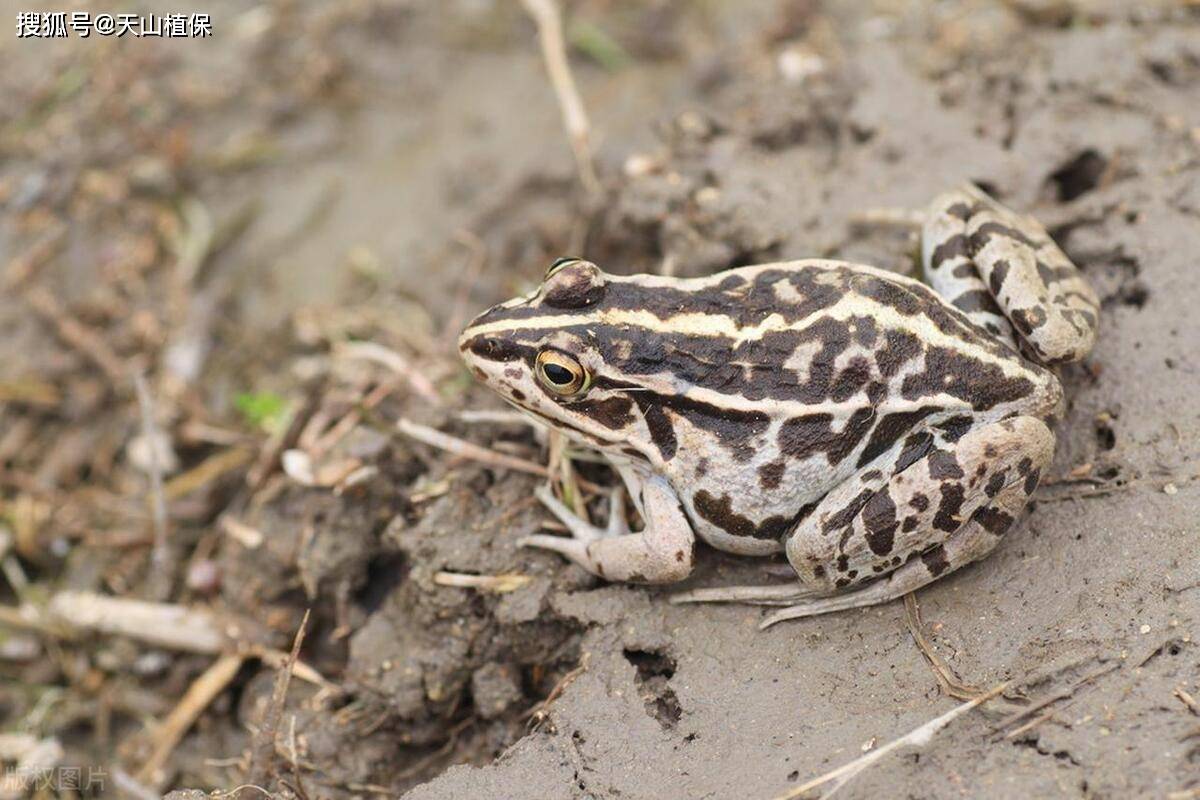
{"x":265,"y":410}
{"x":596,"y":44}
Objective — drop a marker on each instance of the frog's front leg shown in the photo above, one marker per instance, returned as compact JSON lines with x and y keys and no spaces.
{"x":1005,"y":272}
{"x":893,"y":528}
{"x":660,"y":553}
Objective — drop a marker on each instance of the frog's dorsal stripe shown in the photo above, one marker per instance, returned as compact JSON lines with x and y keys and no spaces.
{"x":711,"y":325}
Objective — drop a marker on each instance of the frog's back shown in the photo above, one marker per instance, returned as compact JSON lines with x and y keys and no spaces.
{"x":816,"y":335}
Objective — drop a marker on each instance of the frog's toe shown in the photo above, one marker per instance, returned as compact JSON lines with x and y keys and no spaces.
{"x":817,"y":606}
{"x":574,"y":549}
{"x":582,"y":530}
{"x":765,"y":595}
{"x":618,"y":523}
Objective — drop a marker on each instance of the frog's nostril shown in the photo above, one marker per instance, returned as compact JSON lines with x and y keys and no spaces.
{"x":490,"y":348}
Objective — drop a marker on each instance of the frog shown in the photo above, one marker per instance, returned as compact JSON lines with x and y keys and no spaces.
{"x":877,"y":430}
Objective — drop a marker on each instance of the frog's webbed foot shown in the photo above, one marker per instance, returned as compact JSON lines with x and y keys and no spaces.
{"x":796,"y":599}
{"x":1005,"y":272}
{"x":583,"y":533}
{"x":581,"y":529}
{"x":661,"y":553}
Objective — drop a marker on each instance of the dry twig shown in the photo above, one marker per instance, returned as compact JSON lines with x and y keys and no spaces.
{"x":950,"y":683}
{"x":496,"y":417}
{"x":86,"y":340}
{"x":165,"y":625}
{"x":161,"y":562}
{"x":500,"y":584}
{"x":1053,"y":698}
{"x":1033,"y":723}
{"x":387,"y":357}
{"x":903,"y":218}
{"x":463,"y":449}
{"x":916,"y":738}
{"x":207,"y":471}
{"x":342,"y":428}
{"x":422,"y":764}
{"x":263,"y":747}
{"x":197,"y":698}
{"x":26,"y":264}
{"x":539,"y":712}
{"x":1186,"y":698}
{"x":548,"y":18}
{"x":475,"y":263}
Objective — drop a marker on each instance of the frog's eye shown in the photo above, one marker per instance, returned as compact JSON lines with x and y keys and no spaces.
{"x":558,"y":264}
{"x":560,"y":373}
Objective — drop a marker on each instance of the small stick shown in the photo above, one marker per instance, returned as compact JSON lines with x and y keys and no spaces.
{"x":475,"y":264}
{"x":132,"y":787}
{"x":83,"y":338}
{"x":246,"y":535}
{"x":950,"y":683}
{"x":159,"y":582}
{"x":387,"y":357}
{"x":29,"y":391}
{"x":888,"y":218}
{"x":538,"y":712}
{"x":197,"y":698}
{"x":548,"y":19}
{"x":463,"y":449}
{"x":515,"y":509}
{"x":269,"y":453}
{"x":300,"y":670}
{"x":27,"y":618}
{"x":490,"y":417}
{"x":207,"y":471}
{"x":342,"y":428}
{"x":916,"y":738}
{"x":423,"y":763}
{"x":507,"y":582}
{"x":1187,"y":700}
{"x":1055,"y":697}
{"x":25,"y":265}
{"x":263,"y":746}
{"x":162,"y":624}
{"x":1033,"y":723}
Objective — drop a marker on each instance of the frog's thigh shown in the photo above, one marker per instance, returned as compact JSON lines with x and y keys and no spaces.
{"x":660,"y":553}
{"x":945,"y":511}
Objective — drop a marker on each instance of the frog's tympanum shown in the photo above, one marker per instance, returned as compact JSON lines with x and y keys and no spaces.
{"x":879,"y":432}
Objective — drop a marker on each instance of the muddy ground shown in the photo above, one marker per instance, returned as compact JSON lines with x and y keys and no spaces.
{"x":232,"y":217}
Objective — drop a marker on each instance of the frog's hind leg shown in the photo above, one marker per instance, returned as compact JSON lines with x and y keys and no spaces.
{"x":783,"y":594}
{"x":970,"y":542}
{"x":950,"y":269}
{"x":879,"y":536}
{"x":948,"y":509}
{"x":1005,"y":272}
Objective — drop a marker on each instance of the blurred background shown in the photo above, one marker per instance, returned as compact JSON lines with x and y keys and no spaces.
{"x":230,"y":264}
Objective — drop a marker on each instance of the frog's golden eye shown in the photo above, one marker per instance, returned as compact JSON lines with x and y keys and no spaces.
{"x":558,"y":264}
{"x":560,"y":373}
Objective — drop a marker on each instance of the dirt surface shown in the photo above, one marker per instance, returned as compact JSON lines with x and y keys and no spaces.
{"x":232,"y":217}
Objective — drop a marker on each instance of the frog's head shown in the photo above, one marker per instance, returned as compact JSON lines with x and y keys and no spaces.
{"x":560,"y":354}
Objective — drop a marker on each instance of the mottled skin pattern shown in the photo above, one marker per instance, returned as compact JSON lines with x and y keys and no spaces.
{"x":877,"y":432}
